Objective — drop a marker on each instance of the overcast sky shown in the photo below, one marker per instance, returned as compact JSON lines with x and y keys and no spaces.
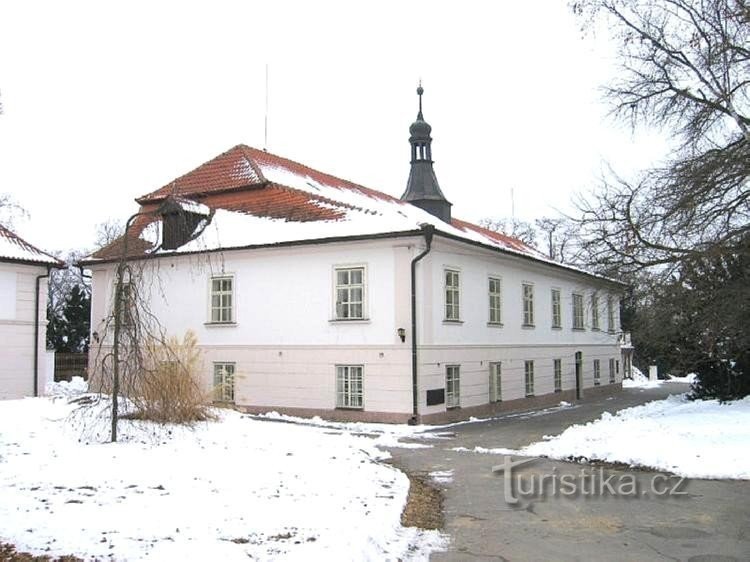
{"x":104,"y":102}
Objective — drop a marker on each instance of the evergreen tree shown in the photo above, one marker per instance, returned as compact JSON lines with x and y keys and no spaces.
{"x":68,"y":327}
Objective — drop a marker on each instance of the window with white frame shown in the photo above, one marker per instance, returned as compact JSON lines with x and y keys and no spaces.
{"x":556,"y":309}
{"x":224,"y":382}
{"x":557,"y":368}
{"x":452,"y":386}
{"x":617,"y":367}
{"x":495,"y":296}
{"x":610,"y":315}
{"x":452,"y":295}
{"x":222,"y":299}
{"x":594,"y":312}
{"x":528,"y":376}
{"x":612,"y":370}
{"x":528,"y":304}
{"x":496,"y":382}
{"x":577,"y":312}
{"x":350,"y":293}
{"x":597,"y":372}
{"x":350,"y":386}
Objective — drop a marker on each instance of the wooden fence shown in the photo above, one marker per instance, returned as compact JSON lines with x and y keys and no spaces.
{"x":68,"y":365}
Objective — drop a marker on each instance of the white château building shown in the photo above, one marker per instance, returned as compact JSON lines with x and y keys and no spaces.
{"x":312,"y":295}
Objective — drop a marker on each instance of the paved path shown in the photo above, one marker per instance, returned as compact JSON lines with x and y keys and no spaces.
{"x":710,"y":523}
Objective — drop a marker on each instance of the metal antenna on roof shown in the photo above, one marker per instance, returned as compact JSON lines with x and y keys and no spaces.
{"x":265,"y":131}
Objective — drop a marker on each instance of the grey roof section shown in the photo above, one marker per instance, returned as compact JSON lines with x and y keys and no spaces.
{"x":422,"y":188}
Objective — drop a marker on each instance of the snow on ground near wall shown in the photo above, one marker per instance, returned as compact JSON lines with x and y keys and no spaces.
{"x":690,"y":378}
{"x":233,"y":489}
{"x":64,"y":388}
{"x":391,"y":435}
{"x":696,"y":439}
{"x":640,"y":380}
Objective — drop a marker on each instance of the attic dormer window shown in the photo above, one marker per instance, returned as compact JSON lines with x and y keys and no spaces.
{"x":180,"y":220}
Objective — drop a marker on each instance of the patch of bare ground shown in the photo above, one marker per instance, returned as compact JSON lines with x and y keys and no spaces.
{"x":424,"y":505}
{"x":8,"y":553}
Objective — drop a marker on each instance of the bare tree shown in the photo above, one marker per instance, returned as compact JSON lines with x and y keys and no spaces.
{"x":685,"y":68}
{"x":516,"y":228}
{"x":108,"y":232}
{"x":560,"y":236}
{"x":148,"y":374}
{"x":10,"y":210}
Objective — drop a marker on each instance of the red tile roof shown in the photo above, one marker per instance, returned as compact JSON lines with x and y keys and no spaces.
{"x":248,"y":181}
{"x":231,"y":170}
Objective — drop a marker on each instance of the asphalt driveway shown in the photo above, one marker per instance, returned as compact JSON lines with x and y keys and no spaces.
{"x":708,"y":521}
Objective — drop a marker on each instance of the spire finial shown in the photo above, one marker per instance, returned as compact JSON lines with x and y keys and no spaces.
{"x":420,"y":91}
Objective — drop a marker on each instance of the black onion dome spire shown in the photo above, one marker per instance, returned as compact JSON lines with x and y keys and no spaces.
{"x":420,"y":129}
{"x":423,"y":189}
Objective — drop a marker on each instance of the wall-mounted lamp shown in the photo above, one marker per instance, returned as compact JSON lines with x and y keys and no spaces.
{"x":95,"y":335}
{"x":402,"y":334}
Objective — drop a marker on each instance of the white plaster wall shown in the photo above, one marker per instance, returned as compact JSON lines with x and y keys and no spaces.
{"x":18,"y":284}
{"x":282,"y":296}
{"x":475,"y":267}
{"x":285,"y":345}
{"x":475,"y":370}
{"x":305,"y":376}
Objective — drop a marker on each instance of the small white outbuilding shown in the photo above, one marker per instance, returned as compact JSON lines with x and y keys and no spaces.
{"x":24,"y":270}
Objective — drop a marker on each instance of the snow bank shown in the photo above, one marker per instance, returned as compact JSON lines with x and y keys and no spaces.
{"x":690,"y":378}
{"x":639,"y":380}
{"x":387,"y":433}
{"x":697,"y":439}
{"x":75,"y":387}
{"x":235,"y":489}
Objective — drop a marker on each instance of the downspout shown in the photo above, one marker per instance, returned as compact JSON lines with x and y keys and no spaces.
{"x":90,"y":278}
{"x":36,"y":331}
{"x":428,"y":230}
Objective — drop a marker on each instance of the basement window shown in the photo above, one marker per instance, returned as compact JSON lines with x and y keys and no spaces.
{"x":528,"y":375}
{"x":557,"y":366}
{"x":224,"y":382}
{"x":349,"y":386}
{"x":452,"y":386}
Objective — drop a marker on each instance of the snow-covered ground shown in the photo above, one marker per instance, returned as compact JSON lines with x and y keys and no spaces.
{"x":64,"y":388}
{"x":697,"y":439}
{"x":640,"y":380}
{"x":235,"y":489}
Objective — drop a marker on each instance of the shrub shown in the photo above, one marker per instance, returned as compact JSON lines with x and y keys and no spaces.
{"x":168,"y":389}
{"x":725,"y":380}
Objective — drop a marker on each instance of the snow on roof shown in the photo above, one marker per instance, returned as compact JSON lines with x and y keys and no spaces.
{"x":191,"y":206}
{"x":15,"y":248}
{"x":260,"y":198}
